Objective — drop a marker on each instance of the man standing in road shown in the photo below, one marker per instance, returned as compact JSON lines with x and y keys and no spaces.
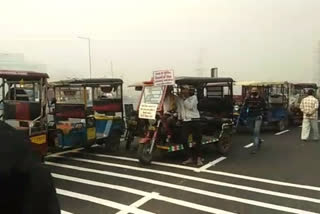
{"x":255,"y":106}
{"x":309,"y":106}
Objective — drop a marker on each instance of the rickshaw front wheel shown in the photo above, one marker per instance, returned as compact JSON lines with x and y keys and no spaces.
{"x":144,"y":154}
{"x":224,"y":144}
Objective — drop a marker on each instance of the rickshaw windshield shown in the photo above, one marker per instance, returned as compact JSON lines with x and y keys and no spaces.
{"x":152,"y":94}
{"x":107,"y":92}
{"x":71,"y":95}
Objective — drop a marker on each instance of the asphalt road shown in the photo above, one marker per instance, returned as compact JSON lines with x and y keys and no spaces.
{"x":284,"y":177}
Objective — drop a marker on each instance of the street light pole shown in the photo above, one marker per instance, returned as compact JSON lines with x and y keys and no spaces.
{"x":89,"y":46}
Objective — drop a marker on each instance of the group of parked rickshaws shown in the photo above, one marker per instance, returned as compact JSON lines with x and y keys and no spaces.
{"x":81,"y":113}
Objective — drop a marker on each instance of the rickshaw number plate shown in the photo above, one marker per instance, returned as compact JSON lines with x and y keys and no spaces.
{"x":91,"y":133}
{"x":41,"y":139}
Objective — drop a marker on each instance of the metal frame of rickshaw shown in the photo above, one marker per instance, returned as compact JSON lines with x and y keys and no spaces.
{"x":147,"y":145}
{"x":277,"y":113}
{"x":101,"y":128}
{"x":28,"y":111}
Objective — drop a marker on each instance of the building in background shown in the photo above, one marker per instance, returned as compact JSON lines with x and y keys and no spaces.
{"x":16,"y":61}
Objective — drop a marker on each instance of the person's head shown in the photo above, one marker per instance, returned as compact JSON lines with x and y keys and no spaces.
{"x":254,"y":91}
{"x":187,"y":90}
{"x":310,"y":92}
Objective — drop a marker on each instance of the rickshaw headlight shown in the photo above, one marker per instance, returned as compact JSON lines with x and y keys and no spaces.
{"x":236,"y":108}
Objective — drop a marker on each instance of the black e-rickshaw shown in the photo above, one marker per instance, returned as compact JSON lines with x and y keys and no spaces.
{"x":215,"y":105}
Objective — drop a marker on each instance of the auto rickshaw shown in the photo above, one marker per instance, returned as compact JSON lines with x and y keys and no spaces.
{"x":276,"y":95}
{"x":298,"y":92}
{"x":24,"y":105}
{"x":87,"y":111}
{"x":215,"y":106}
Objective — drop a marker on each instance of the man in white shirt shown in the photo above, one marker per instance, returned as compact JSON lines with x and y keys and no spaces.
{"x":309,"y":106}
{"x":191,"y":124}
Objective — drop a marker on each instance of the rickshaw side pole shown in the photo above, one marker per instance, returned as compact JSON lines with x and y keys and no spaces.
{"x":155,"y":134}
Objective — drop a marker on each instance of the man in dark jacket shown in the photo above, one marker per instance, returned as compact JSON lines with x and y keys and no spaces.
{"x":26,"y":186}
{"x":255,"y":106}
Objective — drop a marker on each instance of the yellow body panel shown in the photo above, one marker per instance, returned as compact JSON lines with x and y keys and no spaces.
{"x":91,"y":133}
{"x":40,"y":139}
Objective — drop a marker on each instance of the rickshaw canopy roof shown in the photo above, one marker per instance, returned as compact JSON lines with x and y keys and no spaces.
{"x":14,"y":75}
{"x":202,"y":80}
{"x":260,"y":83}
{"x":189,"y":81}
{"x":306,"y":85}
{"x":88,"y":82}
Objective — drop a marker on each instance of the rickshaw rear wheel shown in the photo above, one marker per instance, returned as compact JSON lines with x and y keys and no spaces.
{"x":283,"y":124}
{"x":224,"y":144}
{"x":144,"y":154}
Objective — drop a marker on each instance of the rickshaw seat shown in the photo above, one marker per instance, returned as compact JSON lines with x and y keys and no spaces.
{"x":21,"y":110}
{"x":65,"y":111}
{"x":108,"y":105}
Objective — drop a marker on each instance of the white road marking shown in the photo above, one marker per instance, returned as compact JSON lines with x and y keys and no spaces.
{"x":65,"y":212}
{"x":187,"y":189}
{"x":227,"y":174}
{"x":142,"y":193}
{"x":212,"y":163}
{"x":203,"y":180}
{"x":249,"y":145}
{"x":101,"y":201}
{"x":280,"y":133}
{"x":141,"y":202}
{"x":65,"y":152}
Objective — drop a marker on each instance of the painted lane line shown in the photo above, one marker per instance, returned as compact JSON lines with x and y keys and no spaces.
{"x":101,"y":201}
{"x":141,"y":202}
{"x":227,"y":174}
{"x":142,"y":193}
{"x":280,"y":133}
{"x":65,"y":212}
{"x":202,"y":180}
{"x":64,"y":152}
{"x":212,"y":163}
{"x":249,"y":145}
{"x":187,"y":189}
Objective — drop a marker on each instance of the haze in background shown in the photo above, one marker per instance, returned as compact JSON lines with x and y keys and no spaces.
{"x":245,"y":39}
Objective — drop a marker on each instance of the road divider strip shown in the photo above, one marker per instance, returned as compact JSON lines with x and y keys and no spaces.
{"x":155,"y":196}
{"x":184,"y":188}
{"x":280,"y":133}
{"x":249,"y":145}
{"x":214,"y":172}
{"x":212,"y":163}
{"x":101,"y":201}
{"x":65,"y":212}
{"x":202,"y":180}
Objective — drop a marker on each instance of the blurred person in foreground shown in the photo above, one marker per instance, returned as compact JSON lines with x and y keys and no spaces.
{"x":26,"y":185}
{"x":255,"y":106}
{"x":309,"y":106}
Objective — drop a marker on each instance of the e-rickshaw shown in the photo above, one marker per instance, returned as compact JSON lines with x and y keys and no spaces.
{"x":87,"y":111}
{"x":24,"y":105}
{"x":216,"y":109}
{"x":276,"y":95}
{"x":298,"y":92}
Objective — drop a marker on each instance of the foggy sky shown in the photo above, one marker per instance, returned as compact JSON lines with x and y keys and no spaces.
{"x":245,"y":39}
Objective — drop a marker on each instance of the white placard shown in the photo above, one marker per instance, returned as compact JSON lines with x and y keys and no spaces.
{"x":163,"y":77}
{"x":148,"y":111}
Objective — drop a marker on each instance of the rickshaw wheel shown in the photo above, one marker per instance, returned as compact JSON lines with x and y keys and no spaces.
{"x":282,"y":124}
{"x":145,"y":157}
{"x":224,"y":144}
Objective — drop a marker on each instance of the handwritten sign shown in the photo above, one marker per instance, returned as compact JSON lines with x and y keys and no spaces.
{"x":148,"y":111}
{"x":163,"y":77}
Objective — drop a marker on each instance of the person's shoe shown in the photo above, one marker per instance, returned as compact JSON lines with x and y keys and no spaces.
{"x":199,"y":162}
{"x":188,"y":161}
